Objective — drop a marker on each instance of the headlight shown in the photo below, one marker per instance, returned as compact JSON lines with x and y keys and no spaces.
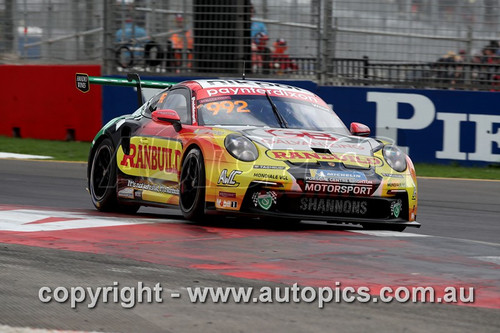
{"x":241,"y":148}
{"x":395,"y":158}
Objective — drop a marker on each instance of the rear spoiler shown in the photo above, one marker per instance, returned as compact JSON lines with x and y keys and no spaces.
{"x":83,"y":82}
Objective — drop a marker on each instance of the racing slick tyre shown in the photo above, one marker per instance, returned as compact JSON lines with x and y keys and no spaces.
{"x":102,"y":181}
{"x":153,"y":54}
{"x":387,"y":227}
{"x":192,"y":186}
{"x":124,"y":57}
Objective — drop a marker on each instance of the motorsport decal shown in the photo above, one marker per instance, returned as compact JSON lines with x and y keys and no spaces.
{"x":264,"y":199}
{"x":160,"y":188}
{"x":312,"y":157}
{"x":334,"y":181}
{"x":151,"y":158}
{"x":334,"y":206}
{"x":358,"y":189}
{"x":228,"y":180}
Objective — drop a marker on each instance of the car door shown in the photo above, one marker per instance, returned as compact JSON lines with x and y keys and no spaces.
{"x":164,"y":142}
{"x":153,"y":164}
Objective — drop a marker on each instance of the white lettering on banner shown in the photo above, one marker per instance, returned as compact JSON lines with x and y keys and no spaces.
{"x":387,"y":120}
{"x":388,"y":123}
{"x":485,"y":137}
{"x":451,"y":136}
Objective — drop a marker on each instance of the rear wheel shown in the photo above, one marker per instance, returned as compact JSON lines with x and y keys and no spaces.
{"x":102,"y":180}
{"x":124,"y":57}
{"x":192,"y":186}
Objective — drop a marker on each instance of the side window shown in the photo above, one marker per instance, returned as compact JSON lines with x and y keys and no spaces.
{"x":150,"y":105}
{"x":177,"y":100}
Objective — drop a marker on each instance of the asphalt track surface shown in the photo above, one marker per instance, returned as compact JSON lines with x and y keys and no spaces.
{"x":50,"y":235}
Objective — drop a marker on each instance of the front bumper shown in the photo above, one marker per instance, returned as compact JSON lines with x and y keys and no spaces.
{"x":262,"y":201}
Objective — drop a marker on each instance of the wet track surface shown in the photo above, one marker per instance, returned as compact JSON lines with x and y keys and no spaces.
{"x":50,"y":235}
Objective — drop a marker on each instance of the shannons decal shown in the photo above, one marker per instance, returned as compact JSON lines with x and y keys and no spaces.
{"x":151,"y":157}
{"x":334,"y":206}
{"x":264,"y":199}
{"x":306,"y":157}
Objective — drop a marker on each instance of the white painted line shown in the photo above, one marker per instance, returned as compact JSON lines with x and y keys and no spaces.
{"x":385,"y":233}
{"x":492,"y":259}
{"x":24,"y":156}
{"x":10,"y":329}
{"x":25,"y":220}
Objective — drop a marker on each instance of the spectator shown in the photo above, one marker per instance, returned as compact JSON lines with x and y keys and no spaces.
{"x":132,"y":31}
{"x":261,"y":54}
{"x":132,"y":40}
{"x":280,"y":60}
{"x":182,"y":43}
{"x":257,"y":27}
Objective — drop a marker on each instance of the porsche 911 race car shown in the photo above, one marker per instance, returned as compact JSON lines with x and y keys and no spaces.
{"x":241,"y":147}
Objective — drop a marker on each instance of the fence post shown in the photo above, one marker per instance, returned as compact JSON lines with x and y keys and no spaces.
{"x":365,"y":68}
{"x":326,"y":37}
{"x":108,"y":38}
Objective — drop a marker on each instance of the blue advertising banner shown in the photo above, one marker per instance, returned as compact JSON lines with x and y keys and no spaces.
{"x":435,"y":126}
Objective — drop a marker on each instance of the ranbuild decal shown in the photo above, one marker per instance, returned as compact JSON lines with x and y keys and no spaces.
{"x":304,"y":156}
{"x":151,"y":157}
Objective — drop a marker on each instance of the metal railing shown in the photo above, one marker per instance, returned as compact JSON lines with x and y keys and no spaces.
{"x":440,"y":74}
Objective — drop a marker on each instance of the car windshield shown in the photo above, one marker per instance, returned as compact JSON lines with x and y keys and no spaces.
{"x":256,"y":110}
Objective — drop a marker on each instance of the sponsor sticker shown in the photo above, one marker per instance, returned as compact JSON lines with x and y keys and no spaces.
{"x":337,"y":176}
{"x":396,"y":207}
{"x":269,"y":167}
{"x":334,"y":206}
{"x":151,"y":158}
{"x":264,"y":199}
{"x":126,"y":193}
{"x":357,"y":189}
{"x":221,"y":203}
{"x":227,"y":194}
{"x":269,"y":176}
{"x":308,"y":156}
{"x":82,"y":82}
{"x":393,"y":175}
{"x":160,"y":188}
{"x":228,"y":180}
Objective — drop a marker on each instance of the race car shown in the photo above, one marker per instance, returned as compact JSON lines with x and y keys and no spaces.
{"x":248,"y":148}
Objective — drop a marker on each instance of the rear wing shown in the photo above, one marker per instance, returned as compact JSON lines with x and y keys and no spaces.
{"x":83,"y":82}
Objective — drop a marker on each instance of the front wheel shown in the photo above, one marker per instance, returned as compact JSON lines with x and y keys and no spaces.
{"x":192,"y":186}
{"x":102,"y":181}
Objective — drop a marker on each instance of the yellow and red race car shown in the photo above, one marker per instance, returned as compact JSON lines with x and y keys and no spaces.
{"x":253,"y":148}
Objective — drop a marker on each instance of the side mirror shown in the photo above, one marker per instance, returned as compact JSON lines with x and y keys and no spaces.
{"x":167,"y":117}
{"x":360,"y":129}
